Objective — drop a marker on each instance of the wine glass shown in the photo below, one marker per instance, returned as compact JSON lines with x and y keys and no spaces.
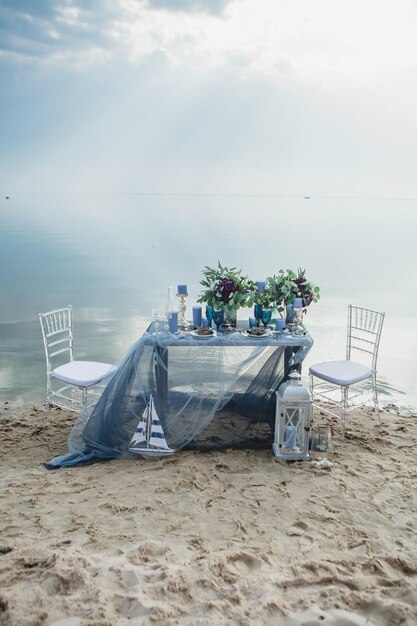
{"x":257,"y":311}
{"x":166,"y":319}
{"x":253,"y":322}
{"x":209,"y":314}
{"x":218,"y":317}
{"x":266,"y":316}
{"x":156,"y":316}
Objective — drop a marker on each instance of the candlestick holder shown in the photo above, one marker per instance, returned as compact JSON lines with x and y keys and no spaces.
{"x":297,"y":319}
{"x":182,"y":307}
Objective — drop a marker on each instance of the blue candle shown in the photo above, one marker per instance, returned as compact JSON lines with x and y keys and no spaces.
{"x":260,"y":284}
{"x":182,"y":290}
{"x":290,"y":440}
{"x":298,"y":303}
{"x":197,"y":314}
{"x":279,"y":324}
{"x":173,"y":322}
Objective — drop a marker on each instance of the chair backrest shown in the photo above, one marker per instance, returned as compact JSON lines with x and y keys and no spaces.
{"x":364,"y":332}
{"x":57,"y":335}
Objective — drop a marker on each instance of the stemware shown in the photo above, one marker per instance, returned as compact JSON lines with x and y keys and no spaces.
{"x":266,"y":316}
{"x":253,"y":322}
{"x":257,"y":311}
{"x":157,"y":316}
{"x":209,"y":314}
{"x":166,"y":320}
{"x":218,"y":317}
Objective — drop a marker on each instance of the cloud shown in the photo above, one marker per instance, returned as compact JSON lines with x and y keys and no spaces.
{"x":40,"y":8}
{"x":56,"y":30}
{"x":136,"y":94}
{"x":213,"y":6}
{"x":320,"y":42}
{"x":69,"y":30}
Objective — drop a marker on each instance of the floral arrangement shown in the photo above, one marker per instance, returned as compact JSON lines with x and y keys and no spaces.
{"x":280,"y":288}
{"x":287,"y":285}
{"x":265,"y":299}
{"x":303,"y":288}
{"x":225,"y":288}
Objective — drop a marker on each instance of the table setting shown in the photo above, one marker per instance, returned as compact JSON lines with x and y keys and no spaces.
{"x":279,"y":304}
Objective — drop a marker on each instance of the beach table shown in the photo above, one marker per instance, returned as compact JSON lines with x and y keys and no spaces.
{"x":243,"y":370}
{"x":209,"y":394}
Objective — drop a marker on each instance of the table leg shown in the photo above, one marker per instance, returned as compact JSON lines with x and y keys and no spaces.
{"x":161,"y":378}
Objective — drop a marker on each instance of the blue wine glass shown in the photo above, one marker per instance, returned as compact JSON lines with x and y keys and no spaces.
{"x":257,"y":311}
{"x":209,"y":314}
{"x":218,"y":318}
{"x":266,"y":316}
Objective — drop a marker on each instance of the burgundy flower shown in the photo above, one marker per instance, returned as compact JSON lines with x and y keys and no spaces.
{"x":225,"y":288}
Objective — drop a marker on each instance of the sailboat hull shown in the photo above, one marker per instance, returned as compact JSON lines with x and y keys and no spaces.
{"x":152,"y":453}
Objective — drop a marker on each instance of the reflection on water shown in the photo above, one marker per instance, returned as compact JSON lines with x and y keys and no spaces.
{"x":113,"y":256}
{"x":22,"y":360}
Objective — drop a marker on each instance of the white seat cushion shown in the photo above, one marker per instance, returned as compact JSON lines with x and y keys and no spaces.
{"x":83,"y":373}
{"x":342,"y":373}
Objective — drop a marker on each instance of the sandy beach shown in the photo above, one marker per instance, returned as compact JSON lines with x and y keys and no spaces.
{"x":215,"y":538}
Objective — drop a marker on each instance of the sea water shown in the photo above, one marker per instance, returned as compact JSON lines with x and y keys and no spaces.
{"x":112,"y":256}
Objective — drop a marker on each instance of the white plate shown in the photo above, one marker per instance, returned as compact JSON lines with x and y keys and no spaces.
{"x":195,"y":334}
{"x":266,"y":334}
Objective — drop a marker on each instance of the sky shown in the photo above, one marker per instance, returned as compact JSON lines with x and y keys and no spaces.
{"x":286,"y":97}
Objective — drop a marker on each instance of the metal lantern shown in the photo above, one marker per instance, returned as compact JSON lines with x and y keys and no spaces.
{"x":292,"y":420}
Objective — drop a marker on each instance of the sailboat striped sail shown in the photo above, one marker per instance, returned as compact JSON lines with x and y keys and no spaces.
{"x":150,"y":432}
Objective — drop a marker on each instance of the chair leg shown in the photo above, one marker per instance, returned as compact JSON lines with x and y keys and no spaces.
{"x":344,"y":406}
{"x":48,"y":395}
{"x":84,"y":401}
{"x":375,"y":397}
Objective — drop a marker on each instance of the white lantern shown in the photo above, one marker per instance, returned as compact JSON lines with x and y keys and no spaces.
{"x":292,"y":420}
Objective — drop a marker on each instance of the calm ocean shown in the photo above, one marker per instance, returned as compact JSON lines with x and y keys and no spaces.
{"x":113,"y":256}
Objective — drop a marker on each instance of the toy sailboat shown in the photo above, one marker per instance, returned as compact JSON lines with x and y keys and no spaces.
{"x":149,"y":431}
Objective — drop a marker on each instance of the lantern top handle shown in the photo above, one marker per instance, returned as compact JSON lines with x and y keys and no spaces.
{"x":294,"y":378}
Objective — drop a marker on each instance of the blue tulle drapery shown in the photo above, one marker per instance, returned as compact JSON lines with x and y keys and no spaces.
{"x":209,"y":394}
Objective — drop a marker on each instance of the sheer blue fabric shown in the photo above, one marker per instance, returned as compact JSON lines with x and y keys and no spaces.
{"x":209,"y":393}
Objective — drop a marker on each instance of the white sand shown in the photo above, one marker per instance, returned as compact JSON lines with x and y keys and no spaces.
{"x":209,"y":538}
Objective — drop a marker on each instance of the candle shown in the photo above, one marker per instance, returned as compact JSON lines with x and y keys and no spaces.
{"x":197,"y":313}
{"x":260,"y":284}
{"x":173,"y":322}
{"x":279,"y":324}
{"x":182,"y":290}
{"x":290,"y":441}
{"x":298,"y":303}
